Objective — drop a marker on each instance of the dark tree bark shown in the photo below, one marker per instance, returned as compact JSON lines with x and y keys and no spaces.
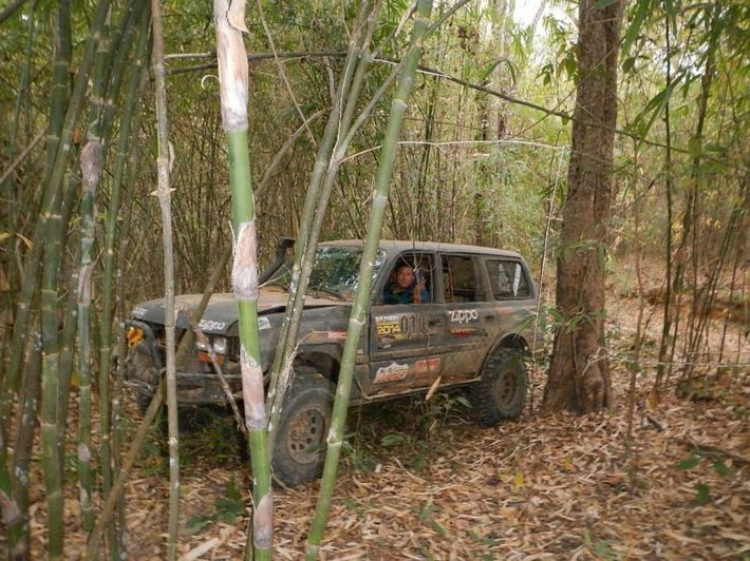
{"x":579,"y":373}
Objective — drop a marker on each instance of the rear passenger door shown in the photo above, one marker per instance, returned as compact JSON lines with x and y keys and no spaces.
{"x":514,"y":294}
{"x":465,"y":317}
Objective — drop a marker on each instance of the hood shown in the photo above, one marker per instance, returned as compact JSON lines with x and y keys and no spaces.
{"x":221,"y":311}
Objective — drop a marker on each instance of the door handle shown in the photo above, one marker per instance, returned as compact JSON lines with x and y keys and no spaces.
{"x":433,"y":322}
{"x":489,"y":318}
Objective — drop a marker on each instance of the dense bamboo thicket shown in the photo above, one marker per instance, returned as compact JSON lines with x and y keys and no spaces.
{"x":481,"y":158}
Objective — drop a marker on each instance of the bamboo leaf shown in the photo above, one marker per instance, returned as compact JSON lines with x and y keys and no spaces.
{"x":644,"y":8}
{"x":721,"y":468}
{"x":438,"y":528}
{"x":689,"y":463}
{"x":702,"y":493}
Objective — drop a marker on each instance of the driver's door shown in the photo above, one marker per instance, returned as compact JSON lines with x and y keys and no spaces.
{"x":400,"y":333}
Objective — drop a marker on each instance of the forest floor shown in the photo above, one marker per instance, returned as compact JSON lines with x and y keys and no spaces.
{"x":420,"y":481}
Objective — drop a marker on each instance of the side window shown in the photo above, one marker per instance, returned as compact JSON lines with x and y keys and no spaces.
{"x":508,"y":279}
{"x":410,"y":280}
{"x":459,"y":279}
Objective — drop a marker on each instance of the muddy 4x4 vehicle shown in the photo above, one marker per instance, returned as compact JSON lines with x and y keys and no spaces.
{"x":466,"y":321}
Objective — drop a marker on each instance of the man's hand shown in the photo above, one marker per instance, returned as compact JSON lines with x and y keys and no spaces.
{"x":418,"y":289}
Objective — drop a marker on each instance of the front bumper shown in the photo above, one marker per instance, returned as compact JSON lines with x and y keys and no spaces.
{"x":197,"y":383}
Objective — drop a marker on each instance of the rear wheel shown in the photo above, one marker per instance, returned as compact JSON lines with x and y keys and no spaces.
{"x":299,"y":450}
{"x":501,"y":393}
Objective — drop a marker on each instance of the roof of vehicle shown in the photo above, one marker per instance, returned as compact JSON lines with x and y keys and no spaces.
{"x":404,"y":245}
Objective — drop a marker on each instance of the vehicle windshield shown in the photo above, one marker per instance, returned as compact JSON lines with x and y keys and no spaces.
{"x":335,"y":272}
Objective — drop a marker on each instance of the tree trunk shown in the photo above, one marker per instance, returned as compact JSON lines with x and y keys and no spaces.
{"x":579,"y":373}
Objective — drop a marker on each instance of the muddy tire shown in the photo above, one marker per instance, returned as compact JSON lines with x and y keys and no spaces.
{"x":501,"y":393}
{"x":300,"y":448}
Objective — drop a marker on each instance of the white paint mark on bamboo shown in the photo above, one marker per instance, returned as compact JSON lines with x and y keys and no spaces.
{"x":236,"y":15}
{"x":84,"y":453}
{"x":379,"y":197}
{"x":22,"y":476}
{"x":91,"y":165}
{"x":233,"y":70}
{"x":331,"y":438}
{"x":355,"y":323}
{"x":245,"y":268}
{"x":263,"y":522}
{"x":252,"y":391}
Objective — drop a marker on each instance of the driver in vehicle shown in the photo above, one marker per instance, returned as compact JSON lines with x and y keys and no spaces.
{"x":406,"y":287}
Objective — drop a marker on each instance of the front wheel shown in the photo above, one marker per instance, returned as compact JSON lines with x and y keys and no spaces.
{"x":299,"y":450}
{"x":501,"y":393}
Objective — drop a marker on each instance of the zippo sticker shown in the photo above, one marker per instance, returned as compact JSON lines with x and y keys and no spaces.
{"x":463,"y":316}
{"x":392,"y":373}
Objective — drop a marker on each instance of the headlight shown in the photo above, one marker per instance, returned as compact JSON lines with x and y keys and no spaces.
{"x":220,"y":345}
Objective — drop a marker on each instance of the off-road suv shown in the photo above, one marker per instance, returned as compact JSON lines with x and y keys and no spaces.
{"x":464,"y":318}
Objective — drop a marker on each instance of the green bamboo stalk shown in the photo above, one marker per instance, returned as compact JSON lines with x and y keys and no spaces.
{"x":169,"y":311}
{"x":97,"y":136}
{"x":133,"y":159}
{"x":60,"y":81}
{"x":23,"y":97}
{"x":49,"y":207}
{"x":51,"y":460}
{"x":10,"y":482}
{"x":19,"y":538}
{"x":92,"y":547}
{"x":233,"y":88}
{"x":148,"y":418}
{"x":360,"y":309}
{"x":84,"y":454}
{"x":130,"y":121}
{"x":91,"y":163}
{"x":290,"y":325}
{"x":29,"y":275}
{"x":119,"y":61}
{"x":91,"y":169}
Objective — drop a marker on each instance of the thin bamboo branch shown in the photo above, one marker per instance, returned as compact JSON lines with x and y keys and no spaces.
{"x":10,"y":9}
{"x":21,"y":157}
{"x":283,"y":75}
{"x":135,"y":89}
{"x":169,"y":312}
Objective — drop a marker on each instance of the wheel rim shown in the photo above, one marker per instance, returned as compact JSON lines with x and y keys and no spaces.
{"x":505,"y":387}
{"x":306,"y":434}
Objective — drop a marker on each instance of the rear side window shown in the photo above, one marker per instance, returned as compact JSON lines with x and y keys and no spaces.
{"x":459,"y":279}
{"x":508,"y":279}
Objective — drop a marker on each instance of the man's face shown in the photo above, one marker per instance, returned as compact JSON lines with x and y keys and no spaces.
{"x":404,"y":276}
